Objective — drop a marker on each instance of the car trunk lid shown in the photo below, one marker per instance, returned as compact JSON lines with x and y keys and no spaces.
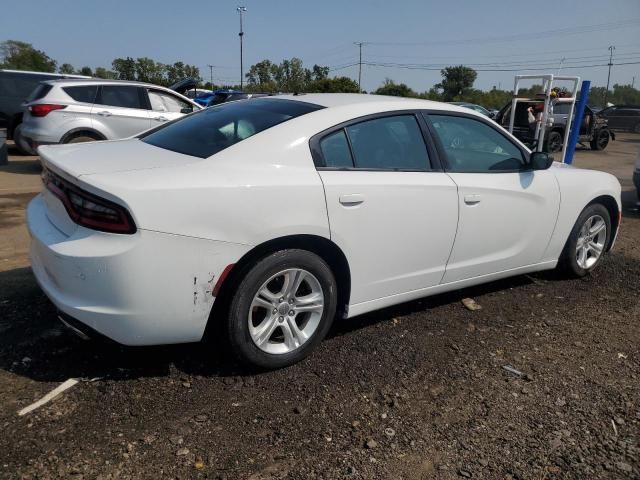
{"x":82,"y":159}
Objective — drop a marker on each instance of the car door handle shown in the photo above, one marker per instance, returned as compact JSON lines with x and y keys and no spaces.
{"x":351,"y":200}
{"x":104,"y":113}
{"x":472,"y":199}
{"x":160,"y":119}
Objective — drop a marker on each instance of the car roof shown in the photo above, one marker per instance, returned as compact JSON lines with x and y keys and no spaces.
{"x":99,"y":81}
{"x":61,"y":76}
{"x":375,"y":102}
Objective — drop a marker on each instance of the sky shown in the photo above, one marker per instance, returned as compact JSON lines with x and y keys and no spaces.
{"x":408,"y":41}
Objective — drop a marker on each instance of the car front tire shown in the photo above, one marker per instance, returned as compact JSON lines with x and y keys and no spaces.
{"x":587,"y":242}
{"x":282,"y":309}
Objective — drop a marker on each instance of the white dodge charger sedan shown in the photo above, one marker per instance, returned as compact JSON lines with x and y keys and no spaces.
{"x":270,"y":217}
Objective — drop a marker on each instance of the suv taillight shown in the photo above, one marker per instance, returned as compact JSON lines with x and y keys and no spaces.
{"x":87,"y":209}
{"x":43,"y":109}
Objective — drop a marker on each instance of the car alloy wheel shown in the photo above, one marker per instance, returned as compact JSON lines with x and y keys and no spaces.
{"x":281,"y":309}
{"x":591,"y":241}
{"x":286,"y":311}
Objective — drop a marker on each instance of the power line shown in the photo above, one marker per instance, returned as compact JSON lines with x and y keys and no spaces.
{"x":528,"y":36}
{"x":430,"y":68}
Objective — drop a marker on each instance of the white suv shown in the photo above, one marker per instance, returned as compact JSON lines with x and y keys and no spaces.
{"x":72,"y":111}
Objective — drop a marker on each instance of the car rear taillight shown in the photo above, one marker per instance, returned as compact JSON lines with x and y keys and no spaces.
{"x":87,"y":209}
{"x":43,"y":109}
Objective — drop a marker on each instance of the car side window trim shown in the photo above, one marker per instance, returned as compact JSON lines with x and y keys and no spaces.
{"x":442,"y":154}
{"x":318,"y":157}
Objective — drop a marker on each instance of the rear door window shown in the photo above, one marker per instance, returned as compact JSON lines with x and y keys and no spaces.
{"x":389,"y":143}
{"x":121,"y":96}
{"x":82,"y":93}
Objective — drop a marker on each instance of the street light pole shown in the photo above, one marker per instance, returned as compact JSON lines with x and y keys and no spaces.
{"x":240,"y":10}
{"x":606,"y":93}
{"x":211,"y":68}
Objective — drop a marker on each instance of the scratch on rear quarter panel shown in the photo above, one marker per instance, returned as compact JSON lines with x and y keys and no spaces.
{"x":195,"y":292}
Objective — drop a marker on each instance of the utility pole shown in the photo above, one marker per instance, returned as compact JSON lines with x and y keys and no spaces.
{"x":240,"y":10}
{"x":211,"y":68}
{"x":606,"y":93}
{"x":360,"y":44}
{"x":633,"y":82}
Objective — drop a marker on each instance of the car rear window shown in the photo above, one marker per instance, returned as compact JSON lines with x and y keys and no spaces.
{"x":39,"y":92}
{"x":82,"y":93}
{"x":212,"y":130}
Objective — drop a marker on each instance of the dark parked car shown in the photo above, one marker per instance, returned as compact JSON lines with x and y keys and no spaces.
{"x":594,"y":128}
{"x":623,"y":117}
{"x":15,"y":88}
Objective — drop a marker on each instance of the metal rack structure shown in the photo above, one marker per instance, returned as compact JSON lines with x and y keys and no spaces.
{"x":546,"y":120}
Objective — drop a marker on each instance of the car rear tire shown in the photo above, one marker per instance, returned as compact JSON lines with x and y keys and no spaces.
{"x":282,"y":309}
{"x":587,"y":242}
{"x":20,"y":143}
{"x":601,"y":140}
{"x":81,"y":138}
{"x":554,"y":142}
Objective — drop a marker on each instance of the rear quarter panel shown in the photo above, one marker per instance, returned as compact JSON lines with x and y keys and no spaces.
{"x":578,"y":188}
{"x":262,"y":188}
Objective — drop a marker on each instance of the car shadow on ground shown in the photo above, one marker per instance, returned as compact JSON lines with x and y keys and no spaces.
{"x":34,"y":344}
{"x":629,"y":139}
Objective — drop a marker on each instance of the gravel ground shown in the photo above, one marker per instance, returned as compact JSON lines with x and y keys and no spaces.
{"x":417,"y":391}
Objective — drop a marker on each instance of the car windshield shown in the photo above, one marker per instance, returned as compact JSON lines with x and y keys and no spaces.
{"x":212,"y":130}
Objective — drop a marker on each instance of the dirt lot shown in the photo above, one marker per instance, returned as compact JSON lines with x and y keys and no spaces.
{"x":417,"y":391}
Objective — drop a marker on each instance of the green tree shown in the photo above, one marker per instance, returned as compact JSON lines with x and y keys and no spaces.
{"x":193,"y":72}
{"x":261,"y":77}
{"x":456,"y":81}
{"x":389,"y":87}
{"x":66,"y":68}
{"x":147,"y":70}
{"x":102,"y":72}
{"x":320,"y":73}
{"x":86,"y":71}
{"x":174,"y":72}
{"x":333,"y":85}
{"x":125,"y":68}
{"x":22,"y":56}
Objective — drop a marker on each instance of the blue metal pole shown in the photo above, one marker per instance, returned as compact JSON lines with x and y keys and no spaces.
{"x":577,"y":121}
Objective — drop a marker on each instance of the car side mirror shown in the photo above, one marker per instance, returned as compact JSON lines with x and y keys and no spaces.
{"x":186,"y":110}
{"x":540,"y":160}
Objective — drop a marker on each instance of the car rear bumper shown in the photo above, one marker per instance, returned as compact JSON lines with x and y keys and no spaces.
{"x":144,"y":289}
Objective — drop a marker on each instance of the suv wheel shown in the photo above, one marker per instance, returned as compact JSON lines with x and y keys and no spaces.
{"x":600,"y":140}
{"x":81,"y":139}
{"x":20,"y":142}
{"x":282,"y":309}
